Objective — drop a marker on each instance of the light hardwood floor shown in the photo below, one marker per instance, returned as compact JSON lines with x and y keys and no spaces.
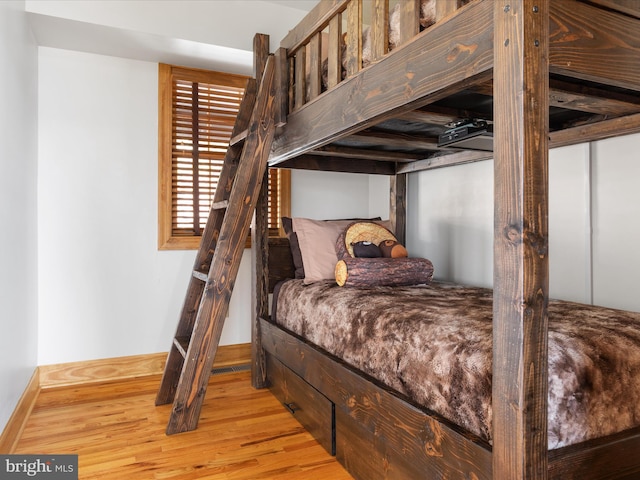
{"x":118,"y":433}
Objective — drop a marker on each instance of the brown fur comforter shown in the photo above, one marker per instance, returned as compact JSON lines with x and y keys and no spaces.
{"x":434,"y":345}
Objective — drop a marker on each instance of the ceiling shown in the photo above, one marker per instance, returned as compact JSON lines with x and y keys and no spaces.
{"x":205,"y":35}
{"x":305,"y":5}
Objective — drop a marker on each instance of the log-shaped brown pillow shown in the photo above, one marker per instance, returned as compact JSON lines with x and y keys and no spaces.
{"x":393,"y":272}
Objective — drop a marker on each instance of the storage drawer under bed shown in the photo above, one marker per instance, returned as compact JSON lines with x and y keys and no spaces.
{"x":312,"y":409}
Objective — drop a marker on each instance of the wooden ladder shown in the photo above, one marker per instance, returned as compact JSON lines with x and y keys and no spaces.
{"x":194,"y":346}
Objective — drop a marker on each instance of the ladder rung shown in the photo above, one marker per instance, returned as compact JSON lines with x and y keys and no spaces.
{"x":220,"y":205}
{"x":238,"y":138}
{"x":200,"y":275}
{"x":182,"y":344}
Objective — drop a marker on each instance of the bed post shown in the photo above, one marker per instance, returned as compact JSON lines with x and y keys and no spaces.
{"x":398,"y":206}
{"x":521,"y":115}
{"x":259,"y":243}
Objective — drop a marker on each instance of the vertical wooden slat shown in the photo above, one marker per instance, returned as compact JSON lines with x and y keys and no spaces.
{"x":313,"y":22}
{"x":301,"y":77}
{"x":398,"y":206}
{"x":282,"y":79}
{"x":520,"y":322}
{"x":334,"y":60}
{"x":315,"y":69}
{"x":354,"y":37}
{"x":292,"y":84}
{"x":195,"y":158}
{"x":409,"y":20}
{"x":379,"y":29}
{"x":445,"y":8}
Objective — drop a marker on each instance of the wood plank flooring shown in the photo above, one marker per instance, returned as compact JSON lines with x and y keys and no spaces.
{"x":118,"y":433}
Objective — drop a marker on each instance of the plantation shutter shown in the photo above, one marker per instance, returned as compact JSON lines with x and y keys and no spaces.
{"x":197,"y":112}
{"x":203,"y":117}
{"x":279,"y":198}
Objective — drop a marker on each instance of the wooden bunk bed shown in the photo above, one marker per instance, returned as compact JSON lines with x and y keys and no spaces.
{"x":543,"y":74}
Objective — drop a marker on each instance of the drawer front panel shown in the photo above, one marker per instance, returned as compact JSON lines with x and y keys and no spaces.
{"x":312,"y":409}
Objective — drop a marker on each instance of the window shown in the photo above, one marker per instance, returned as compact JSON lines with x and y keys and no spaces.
{"x":199,"y":108}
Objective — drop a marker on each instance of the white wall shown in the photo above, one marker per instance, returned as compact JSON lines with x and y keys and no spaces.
{"x":105,"y":289}
{"x":330,"y":195}
{"x":569,"y":223}
{"x":379,"y":200}
{"x":450,"y":221}
{"x":18,"y":226}
{"x":616,"y":222}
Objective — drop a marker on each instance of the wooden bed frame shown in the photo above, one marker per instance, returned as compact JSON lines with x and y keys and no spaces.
{"x":546,"y":74}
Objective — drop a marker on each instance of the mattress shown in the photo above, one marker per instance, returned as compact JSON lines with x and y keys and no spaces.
{"x":433,"y":344}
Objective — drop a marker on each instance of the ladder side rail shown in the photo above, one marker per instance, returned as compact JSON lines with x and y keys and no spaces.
{"x":187,"y":319}
{"x":211,"y":232}
{"x":226,"y":261}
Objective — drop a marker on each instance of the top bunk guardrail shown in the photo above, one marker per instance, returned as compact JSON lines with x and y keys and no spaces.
{"x":341,"y":37}
{"x":382,"y":81}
